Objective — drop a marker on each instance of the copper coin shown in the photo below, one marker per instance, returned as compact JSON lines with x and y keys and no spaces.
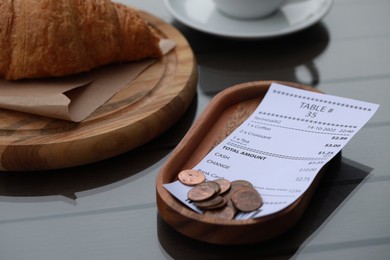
{"x":191,"y":177}
{"x":237,"y":184}
{"x":211,"y":184}
{"x":246,"y":199}
{"x":212,"y":203}
{"x":223,"y":213}
{"x":220,"y":205}
{"x":201,"y":192}
{"x":223,"y":184}
{"x":240,"y":183}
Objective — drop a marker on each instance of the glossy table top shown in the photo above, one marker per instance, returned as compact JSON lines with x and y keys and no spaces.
{"x":107,"y":210}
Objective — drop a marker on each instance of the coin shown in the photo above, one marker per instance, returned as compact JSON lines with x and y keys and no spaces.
{"x":223,"y":213}
{"x":212,"y":203}
{"x":246,"y":199}
{"x":191,"y":177}
{"x":223,"y":184}
{"x":240,"y":183}
{"x":201,"y":192}
{"x":211,"y":184}
{"x":237,"y":184}
{"x":220,"y":205}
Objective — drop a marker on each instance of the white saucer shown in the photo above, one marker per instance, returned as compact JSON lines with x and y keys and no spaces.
{"x":293,"y":16}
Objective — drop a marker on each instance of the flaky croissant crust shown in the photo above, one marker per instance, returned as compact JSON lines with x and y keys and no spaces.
{"x":42,"y":38}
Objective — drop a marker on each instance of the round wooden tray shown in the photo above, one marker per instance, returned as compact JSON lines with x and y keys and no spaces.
{"x":164,"y":91}
{"x":226,"y":111}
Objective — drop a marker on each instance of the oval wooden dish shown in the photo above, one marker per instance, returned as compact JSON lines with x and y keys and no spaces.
{"x":226,"y":111}
{"x":137,"y":113}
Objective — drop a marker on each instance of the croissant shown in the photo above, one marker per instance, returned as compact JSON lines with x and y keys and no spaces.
{"x":43,"y":38}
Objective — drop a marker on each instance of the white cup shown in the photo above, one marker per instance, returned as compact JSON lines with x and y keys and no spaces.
{"x":248,"y":9}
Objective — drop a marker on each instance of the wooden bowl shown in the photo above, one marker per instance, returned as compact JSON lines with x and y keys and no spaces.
{"x":226,"y":111}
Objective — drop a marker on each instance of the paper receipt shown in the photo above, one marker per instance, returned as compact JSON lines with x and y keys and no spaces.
{"x":282,"y":146}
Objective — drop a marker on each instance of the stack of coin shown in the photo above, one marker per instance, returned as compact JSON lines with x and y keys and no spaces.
{"x":220,"y":198}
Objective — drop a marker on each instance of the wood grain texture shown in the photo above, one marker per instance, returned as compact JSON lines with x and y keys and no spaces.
{"x":162,"y":94}
{"x":225,"y":112}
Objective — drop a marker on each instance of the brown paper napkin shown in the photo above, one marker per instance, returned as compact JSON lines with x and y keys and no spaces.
{"x":74,"y":97}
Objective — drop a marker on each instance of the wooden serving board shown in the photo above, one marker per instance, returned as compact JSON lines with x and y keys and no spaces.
{"x":225,"y":112}
{"x":139,"y":112}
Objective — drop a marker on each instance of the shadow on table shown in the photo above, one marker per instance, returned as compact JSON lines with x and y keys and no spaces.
{"x":339,"y":182}
{"x":99,"y":176}
{"x":225,"y":62}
